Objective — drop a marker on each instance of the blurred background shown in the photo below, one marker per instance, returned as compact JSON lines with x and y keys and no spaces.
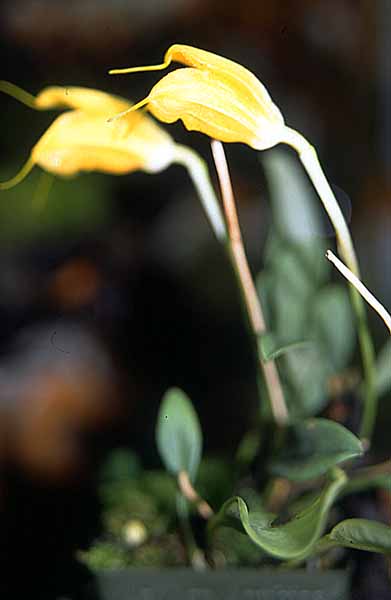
{"x":113,"y":288}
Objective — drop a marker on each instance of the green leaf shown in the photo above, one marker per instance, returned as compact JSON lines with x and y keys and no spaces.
{"x":312,"y":447}
{"x":362,"y":534}
{"x":306,"y":371}
{"x":383,"y":365}
{"x":292,"y":540}
{"x":178,"y":434}
{"x":332,"y":316}
{"x":295,"y":208}
{"x":270,"y":349}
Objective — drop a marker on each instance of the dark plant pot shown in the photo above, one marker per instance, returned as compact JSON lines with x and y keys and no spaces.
{"x":243,"y":584}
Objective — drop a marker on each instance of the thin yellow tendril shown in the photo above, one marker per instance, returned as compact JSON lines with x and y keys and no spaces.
{"x":160,"y":67}
{"x":128,"y":110}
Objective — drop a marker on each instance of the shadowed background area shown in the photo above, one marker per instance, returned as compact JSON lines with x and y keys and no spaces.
{"x":113,"y":288}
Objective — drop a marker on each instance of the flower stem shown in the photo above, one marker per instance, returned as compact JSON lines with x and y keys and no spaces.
{"x":252,"y":303}
{"x":310,"y":161}
{"x":199,"y":174}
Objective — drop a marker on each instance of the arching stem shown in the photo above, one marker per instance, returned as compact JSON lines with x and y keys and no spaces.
{"x":310,"y":161}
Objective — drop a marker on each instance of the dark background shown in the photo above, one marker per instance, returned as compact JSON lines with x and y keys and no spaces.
{"x":114,"y":287}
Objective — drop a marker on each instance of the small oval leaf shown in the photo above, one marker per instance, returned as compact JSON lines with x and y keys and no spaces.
{"x":312,"y":447}
{"x":362,"y":534}
{"x":290,"y":541}
{"x":178,"y":434}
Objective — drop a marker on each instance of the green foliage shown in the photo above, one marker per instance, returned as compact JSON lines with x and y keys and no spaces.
{"x":270,"y":350}
{"x":361,"y":534}
{"x":312,"y":447}
{"x":313,"y":333}
{"x":300,"y":304}
{"x":292,"y":540}
{"x":105,"y":555}
{"x":383,"y":369}
{"x":178,"y":434}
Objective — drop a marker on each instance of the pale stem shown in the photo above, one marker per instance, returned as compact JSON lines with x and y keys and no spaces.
{"x":198,"y":171}
{"x":360,"y":287}
{"x":310,"y":161}
{"x":192,"y":496}
{"x":254,"y":309}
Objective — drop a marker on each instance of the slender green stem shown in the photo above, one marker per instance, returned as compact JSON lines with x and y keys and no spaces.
{"x":310,"y":161}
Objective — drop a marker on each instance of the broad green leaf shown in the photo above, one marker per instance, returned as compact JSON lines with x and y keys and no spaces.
{"x":292,"y":540}
{"x":333,"y":321}
{"x":383,"y":374}
{"x":178,"y":434}
{"x":295,"y":207}
{"x":312,"y":447}
{"x":270,"y":349}
{"x":306,"y":371}
{"x":362,"y":534}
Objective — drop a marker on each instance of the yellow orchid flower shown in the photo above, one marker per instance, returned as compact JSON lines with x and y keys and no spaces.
{"x":84,"y":139}
{"x":224,"y":100}
{"x":215,"y":96}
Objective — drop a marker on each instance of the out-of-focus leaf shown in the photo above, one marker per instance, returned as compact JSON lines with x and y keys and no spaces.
{"x":306,"y":371}
{"x":270,"y":349}
{"x":178,"y":434}
{"x":383,"y":369}
{"x":292,"y":540}
{"x":333,"y":320}
{"x":294,"y":203}
{"x":312,"y":447}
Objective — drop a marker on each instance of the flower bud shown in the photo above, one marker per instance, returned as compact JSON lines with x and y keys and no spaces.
{"x":215,"y":96}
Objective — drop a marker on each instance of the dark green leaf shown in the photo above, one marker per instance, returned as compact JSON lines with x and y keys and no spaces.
{"x":306,"y":371}
{"x":383,"y":373}
{"x":178,"y":434}
{"x":292,"y":540}
{"x":312,"y":447}
{"x":295,"y":207}
{"x":333,"y":321}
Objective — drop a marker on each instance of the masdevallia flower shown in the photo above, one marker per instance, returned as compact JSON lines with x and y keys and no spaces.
{"x":85,"y":139}
{"x":82,"y":139}
{"x":215,"y":96}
